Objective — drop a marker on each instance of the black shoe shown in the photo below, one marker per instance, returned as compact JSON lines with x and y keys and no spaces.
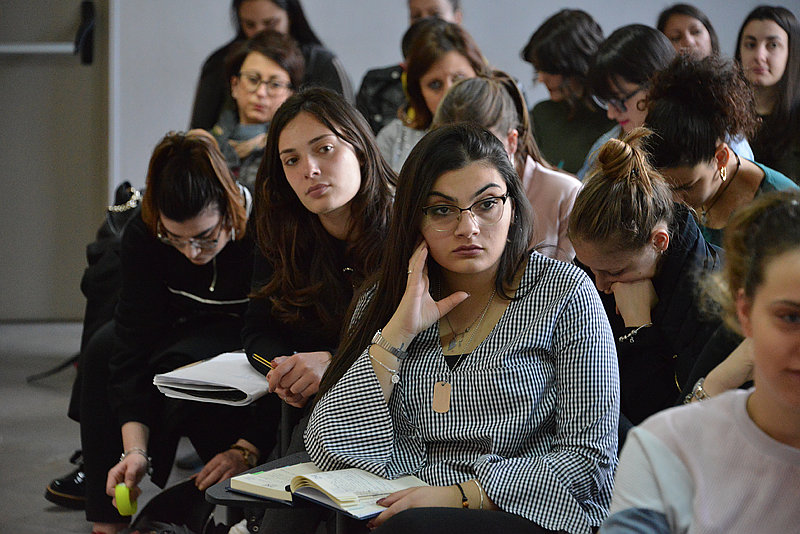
{"x":70,"y":490}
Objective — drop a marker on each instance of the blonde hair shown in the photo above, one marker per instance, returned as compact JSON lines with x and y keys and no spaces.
{"x":623,"y":198}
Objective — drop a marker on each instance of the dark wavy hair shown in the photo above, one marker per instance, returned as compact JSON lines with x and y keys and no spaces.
{"x":690,"y":11}
{"x":695,"y":103}
{"x":779,"y":129}
{"x":187,"y":174}
{"x":305,"y":282}
{"x":442,"y":150}
{"x":433,"y":40}
{"x":633,"y":53}
{"x":299,"y":28}
{"x":280,"y":48}
{"x":565,"y":44}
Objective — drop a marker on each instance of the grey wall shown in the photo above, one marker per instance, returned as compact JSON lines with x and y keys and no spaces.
{"x":72,"y":132}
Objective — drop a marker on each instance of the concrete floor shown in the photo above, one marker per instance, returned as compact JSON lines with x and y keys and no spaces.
{"x":36,"y":437}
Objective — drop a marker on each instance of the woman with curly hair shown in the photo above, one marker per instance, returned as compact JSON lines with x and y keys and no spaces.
{"x":768,"y":47}
{"x":567,"y":124}
{"x":694,"y":106}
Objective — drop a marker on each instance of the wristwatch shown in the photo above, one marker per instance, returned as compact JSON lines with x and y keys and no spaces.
{"x":379,"y":340}
{"x":249,"y":457}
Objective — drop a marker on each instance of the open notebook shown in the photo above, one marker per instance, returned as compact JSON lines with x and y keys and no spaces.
{"x":351,"y":491}
{"x":225,"y":379}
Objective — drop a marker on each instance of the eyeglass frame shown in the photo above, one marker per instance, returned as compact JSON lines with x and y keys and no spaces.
{"x":461,"y":210}
{"x":201,"y":243}
{"x":618,"y":103}
{"x":274,"y":87}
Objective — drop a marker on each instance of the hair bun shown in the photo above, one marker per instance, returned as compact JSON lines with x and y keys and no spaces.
{"x":624,"y":159}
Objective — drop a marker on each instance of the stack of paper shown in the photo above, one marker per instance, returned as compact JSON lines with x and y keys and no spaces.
{"x":225,"y":379}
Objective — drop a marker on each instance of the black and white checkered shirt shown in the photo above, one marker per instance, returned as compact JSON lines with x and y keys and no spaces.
{"x":533,"y":411}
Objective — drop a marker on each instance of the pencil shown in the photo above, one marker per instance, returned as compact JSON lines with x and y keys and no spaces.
{"x":266,"y":362}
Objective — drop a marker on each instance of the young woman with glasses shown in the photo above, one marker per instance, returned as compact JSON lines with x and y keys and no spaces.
{"x":287,"y":17}
{"x":485,"y":370}
{"x":263,"y":72}
{"x":186,"y":262}
{"x":497,"y":104}
{"x":644,"y":252}
{"x":619,"y":76}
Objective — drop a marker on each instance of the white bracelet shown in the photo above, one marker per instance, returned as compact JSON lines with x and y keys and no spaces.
{"x":480,"y":492}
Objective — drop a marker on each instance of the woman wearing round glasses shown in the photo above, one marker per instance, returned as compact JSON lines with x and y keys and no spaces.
{"x":619,"y":77}
{"x":186,"y":264}
{"x":486,"y":370}
{"x":263,"y":73}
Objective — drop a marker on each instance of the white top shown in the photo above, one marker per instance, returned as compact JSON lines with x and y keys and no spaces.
{"x":533,"y":411}
{"x":706,"y":467}
{"x":395,"y":141}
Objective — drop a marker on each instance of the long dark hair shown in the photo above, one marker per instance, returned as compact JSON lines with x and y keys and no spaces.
{"x":779,"y":128}
{"x":187,"y":174}
{"x":435,"y":39}
{"x":690,"y":11}
{"x":564,"y":44}
{"x":495,"y":103}
{"x":305,"y":282}
{"x":299,"y":28}
{"x":442,"y":150}
{"x":692,"y":105}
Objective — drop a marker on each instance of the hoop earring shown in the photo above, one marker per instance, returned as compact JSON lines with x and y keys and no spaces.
{"x":723,"y":173}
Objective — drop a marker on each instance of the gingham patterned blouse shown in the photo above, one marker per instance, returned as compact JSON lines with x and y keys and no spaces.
{"x":533,"y":411}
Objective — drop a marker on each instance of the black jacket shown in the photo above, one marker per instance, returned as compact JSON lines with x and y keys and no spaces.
{"x":381,"y":95}
{"x":161,"y":291}
{"x":655,"y":366}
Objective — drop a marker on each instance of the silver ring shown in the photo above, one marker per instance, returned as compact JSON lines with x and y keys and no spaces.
{"x":410,"y":271}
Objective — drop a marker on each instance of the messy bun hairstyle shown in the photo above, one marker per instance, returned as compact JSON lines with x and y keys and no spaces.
{"x":693,"y":105}
{"x":495,"y":103}
{"x":756,"y":233}
{"x":623,"y":197}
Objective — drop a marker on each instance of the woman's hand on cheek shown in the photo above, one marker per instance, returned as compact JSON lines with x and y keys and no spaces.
{"x":417,"y":309}
{"x":634,"y":301}
{"x":426,"y":496}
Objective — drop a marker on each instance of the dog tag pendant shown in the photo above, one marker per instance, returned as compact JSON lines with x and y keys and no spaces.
{"x":441,"y":397}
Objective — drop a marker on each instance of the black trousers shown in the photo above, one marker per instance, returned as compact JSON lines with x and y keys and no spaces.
{"x":438,"y":520}
{"x":212,"y":428}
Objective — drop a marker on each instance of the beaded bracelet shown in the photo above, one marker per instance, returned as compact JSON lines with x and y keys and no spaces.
{"x":629,"y":337}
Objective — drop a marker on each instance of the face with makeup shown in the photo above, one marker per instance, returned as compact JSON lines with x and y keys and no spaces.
{"x":322,"y":169}
{"x":476,"y":242}
{"x":259,"y":105}
{"x":441,"y":76}
{"x":627,"y":106}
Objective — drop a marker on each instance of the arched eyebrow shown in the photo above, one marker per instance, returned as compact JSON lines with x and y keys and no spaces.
{"x":310,"y":142}
{"x":479,"y":192}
